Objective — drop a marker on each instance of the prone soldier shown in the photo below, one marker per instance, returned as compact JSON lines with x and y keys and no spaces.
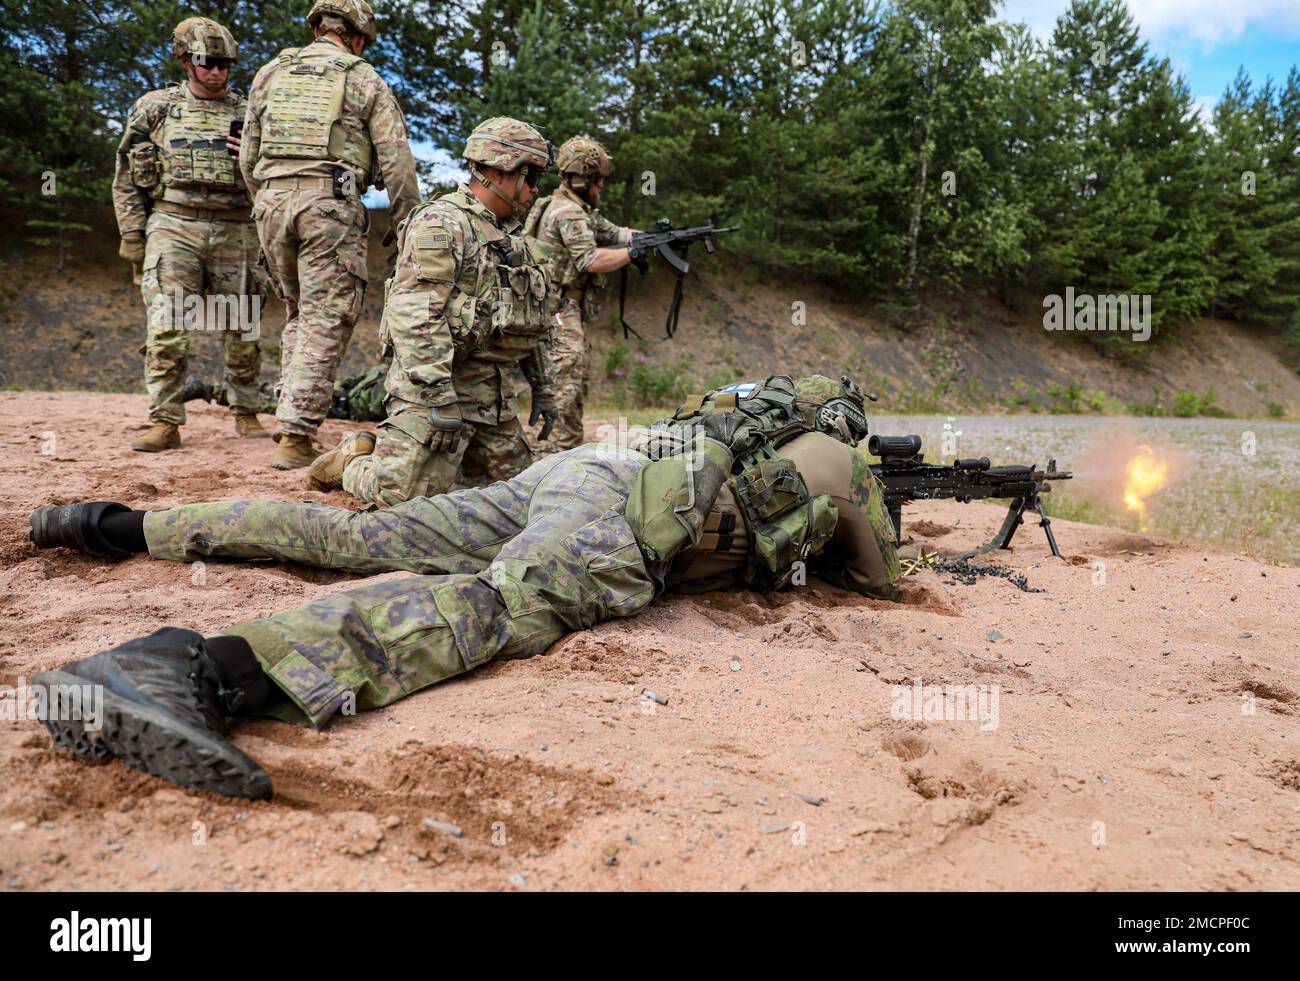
{"x":746,"y":487}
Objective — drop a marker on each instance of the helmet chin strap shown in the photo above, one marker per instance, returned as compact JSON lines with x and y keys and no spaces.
{"x":517,"y":207}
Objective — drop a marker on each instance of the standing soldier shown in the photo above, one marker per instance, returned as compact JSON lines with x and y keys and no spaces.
{"x":321,"y":125}
{"x":578,"y":237}
{"x":468,"y":301}
{"x":182,"y":212}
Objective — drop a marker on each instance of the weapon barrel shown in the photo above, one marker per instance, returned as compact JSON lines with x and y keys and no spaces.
{"x":896,"y":447}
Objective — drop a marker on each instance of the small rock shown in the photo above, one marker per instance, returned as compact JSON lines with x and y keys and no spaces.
{"x":812,"y":799}
{"x":1244,"y":634}
{"x":994,"y":635}
{"x":516,"y":880}
{"x":735,"y":664}
{"x":1104,"y":778}
{"x":773,"y":827}
{"x":392,"y":821}
{"x":17,"y":827}
{"x":444,"y":826}
{"x":655,"y":696}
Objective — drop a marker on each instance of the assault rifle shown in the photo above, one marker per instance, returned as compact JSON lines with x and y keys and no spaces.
{"x":907,"y":478}
{"x":340,"y":407}
{"x":670,"y":243}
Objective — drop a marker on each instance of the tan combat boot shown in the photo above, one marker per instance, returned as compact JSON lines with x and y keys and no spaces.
{"x":327,"y":472}
{"x":295,"y":450}
{"x":247,"y":426}
{"x":163,"y":436}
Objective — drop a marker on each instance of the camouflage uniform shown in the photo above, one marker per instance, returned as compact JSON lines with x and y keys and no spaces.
{"x":573,"y":230}
{"x":467,"y":302}
{"x":176,"y":184}
{"x":508,"y":569}
{"x":314,"y":242}
{"x":438,"y":322}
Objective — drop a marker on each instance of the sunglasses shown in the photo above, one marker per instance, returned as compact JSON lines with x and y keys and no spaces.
{"x":214,"y":64}
{"x":532,"y":175}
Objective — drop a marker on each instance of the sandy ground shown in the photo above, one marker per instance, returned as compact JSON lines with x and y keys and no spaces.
{"x":1144,"y":735}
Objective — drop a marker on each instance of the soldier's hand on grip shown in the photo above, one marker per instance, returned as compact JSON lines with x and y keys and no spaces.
{"x":543,"y":409}
{"x":447,"y":426}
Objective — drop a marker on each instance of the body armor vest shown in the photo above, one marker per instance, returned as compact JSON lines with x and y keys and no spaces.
{"x":304,"y":114}
{"x":193,"y":151}
{"x":500,"y":306}
{"x":784,"y":523}
{"x":561,"y":270}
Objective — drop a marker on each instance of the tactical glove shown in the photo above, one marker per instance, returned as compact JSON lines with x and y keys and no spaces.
{"x":447,"y":426}
{"x":734,"y":430}
{"x":132,"y":249}
{"x":544,"y":409}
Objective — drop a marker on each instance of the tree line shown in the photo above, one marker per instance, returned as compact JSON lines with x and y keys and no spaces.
{"x":890,"y":148}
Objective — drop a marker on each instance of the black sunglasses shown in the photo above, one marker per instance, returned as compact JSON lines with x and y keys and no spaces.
{"x":532,"y":175}
{"x":216,"y":64}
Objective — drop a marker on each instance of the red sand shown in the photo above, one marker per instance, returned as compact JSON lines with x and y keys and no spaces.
{"x":1124,"y":756}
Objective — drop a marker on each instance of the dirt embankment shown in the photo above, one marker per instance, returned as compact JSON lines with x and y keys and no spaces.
{"x":1143,"y":734}
{"x":84,"y":330}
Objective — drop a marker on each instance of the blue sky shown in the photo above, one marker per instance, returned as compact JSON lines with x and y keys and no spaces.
{"x":1205,"y":40}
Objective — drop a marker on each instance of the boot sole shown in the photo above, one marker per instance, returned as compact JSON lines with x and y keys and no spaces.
{"x":154,"y":742}
{"x":155,"y":449}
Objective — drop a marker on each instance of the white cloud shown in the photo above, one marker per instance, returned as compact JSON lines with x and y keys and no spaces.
{"x":1212,"y":21}
{"x":1208,"y":22}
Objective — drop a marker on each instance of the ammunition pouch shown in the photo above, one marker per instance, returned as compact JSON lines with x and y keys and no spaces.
{"x":670,"y":499}
{"x":142,"y":159}
{"x":786,"y":524}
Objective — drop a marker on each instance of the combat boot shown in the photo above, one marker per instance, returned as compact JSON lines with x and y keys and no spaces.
{"x":76,"y":526}
{"x":164,"y":710}
{"x":327,"y":471}
{"x":295,"y":450}
{"x":247,"y":426}
{"x":163,"y":436}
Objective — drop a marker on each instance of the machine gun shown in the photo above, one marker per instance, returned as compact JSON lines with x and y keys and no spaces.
{"x":670,"y":243}
{"x":907,"y":478}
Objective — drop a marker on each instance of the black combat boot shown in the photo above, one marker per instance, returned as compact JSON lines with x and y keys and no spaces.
{"x":166,"y":706}
{"x":81,"y":527}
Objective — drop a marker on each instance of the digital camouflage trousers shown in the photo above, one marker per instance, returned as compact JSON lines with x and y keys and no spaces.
{"x":501,"y":571}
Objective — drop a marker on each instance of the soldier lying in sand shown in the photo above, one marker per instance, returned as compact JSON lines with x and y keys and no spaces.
{"x":755,"y":485}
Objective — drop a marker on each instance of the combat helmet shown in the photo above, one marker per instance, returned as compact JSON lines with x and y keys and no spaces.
{"x":202,"y":38}
{"x":581,"y":158}
{"x":358,"y":13}
{"x":837,"y":409}
{"x":509,"y":145}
